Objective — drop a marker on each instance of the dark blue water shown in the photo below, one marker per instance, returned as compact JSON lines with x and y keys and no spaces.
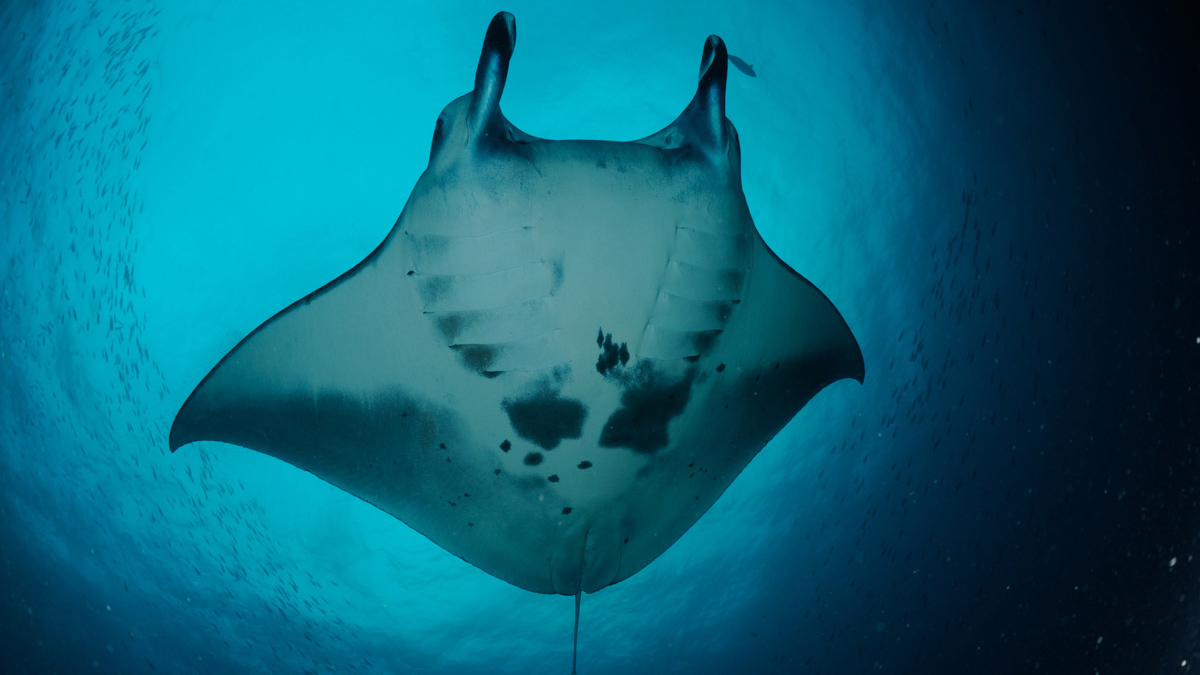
{"x":1002,"y":199}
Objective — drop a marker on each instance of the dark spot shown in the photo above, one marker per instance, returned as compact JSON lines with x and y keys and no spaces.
{"x":566,"y":510}
{"x":505,"y":445}
{"x":552,"y":479}
{"x":585,"y":464}
{"x":611,"y":353}
{"x":626,"y":540}
{"x":602,"y":164}
{"x":720,"y":367}
{"x":477,"y":358}
{"x":640,"y":424}
{"x":469,"y":524}
{"x":442,"y":446}
{"x":410,"y":273}
{"x":466,"y":494}
{"x":497,"y":472}
{"x":451,"y":503}
{"x":448,"y":461}
{"x":546,"y":418}
{"x":533,"y":459}
{"x":691,"y":464}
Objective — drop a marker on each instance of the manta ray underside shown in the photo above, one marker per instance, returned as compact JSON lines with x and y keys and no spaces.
{"x":560,"y":356}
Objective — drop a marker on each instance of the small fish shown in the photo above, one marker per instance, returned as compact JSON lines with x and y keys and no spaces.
{"x":742,"y":66}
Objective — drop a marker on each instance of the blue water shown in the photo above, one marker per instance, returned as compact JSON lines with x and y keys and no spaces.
{"x":1002,"y":199}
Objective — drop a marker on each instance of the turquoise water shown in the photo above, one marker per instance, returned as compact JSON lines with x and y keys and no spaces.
{"x":1001,"y":200}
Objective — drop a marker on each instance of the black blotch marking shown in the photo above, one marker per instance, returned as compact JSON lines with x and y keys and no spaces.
{"x":470,"y":524}
{"x":533,"y":459}
{"x":566,"y":510}
{"x":640,"y":424}
{"x":497,"y":472}
{"x":585,"y":464}
{"x":626,"y":540}
{"x":720,"y":367}
{"x":442,"y":446}
{"x":448,"y":460}
{"x":611,"y":354}
{"x":546,"y":418}
{"x":411,"y":272}
{"x":553,"y":478}
{"x":505,"y":445}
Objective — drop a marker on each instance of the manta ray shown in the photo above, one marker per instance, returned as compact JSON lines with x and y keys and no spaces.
{"x":559,"y":357}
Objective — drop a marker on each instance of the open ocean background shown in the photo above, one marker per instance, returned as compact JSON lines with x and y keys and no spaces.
{"x":1002,"y":198}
